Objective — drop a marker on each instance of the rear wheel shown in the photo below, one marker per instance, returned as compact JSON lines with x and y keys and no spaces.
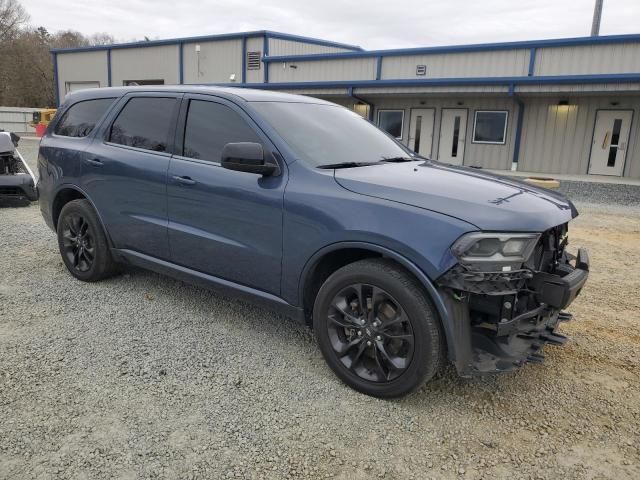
{"x":83,"y":244}
{"x":377,"y":329}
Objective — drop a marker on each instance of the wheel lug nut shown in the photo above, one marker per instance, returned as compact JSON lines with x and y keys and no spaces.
{"x":369,"y":343}
{"x":359,"y":333}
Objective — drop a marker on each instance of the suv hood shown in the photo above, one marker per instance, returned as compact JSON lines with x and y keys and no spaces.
{"x":489,"y":202}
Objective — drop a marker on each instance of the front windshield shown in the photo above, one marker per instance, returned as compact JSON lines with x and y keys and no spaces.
{"x":321,"y":134}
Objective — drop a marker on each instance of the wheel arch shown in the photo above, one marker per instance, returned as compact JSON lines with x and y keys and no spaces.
{"x":67,"y":193}
{"x":308,"y":290}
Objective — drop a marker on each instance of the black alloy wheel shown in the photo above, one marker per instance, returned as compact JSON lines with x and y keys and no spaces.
{"x":377,"y":328}
{"x":78,"y":243}
{"x":82,"y":242}
{"x":370,"y":332}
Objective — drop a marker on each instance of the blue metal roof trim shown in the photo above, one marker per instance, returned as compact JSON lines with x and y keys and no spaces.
{"x":481,"y":47}
{"x":316,"y":41}
{"x":204,"y":38}
{"x":411,"y":82}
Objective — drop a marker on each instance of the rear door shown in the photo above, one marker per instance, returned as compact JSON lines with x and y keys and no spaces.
{"x":125,"y":171}
{"x":222,"y":222}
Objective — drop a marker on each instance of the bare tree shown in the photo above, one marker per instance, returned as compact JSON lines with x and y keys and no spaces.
{"x":68,"y":39}
{"x":101,"y":38}
{"x":12,"y":17}
{"x":26,"y":68}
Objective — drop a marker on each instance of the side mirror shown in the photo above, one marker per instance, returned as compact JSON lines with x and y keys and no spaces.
{"x":247,"y":157}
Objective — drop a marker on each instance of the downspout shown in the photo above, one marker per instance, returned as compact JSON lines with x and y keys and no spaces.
{"x":265,"y":53}
{"x":244,"y":60}
{"x":56,"y":89}
{"x":109,"y":68}
{"x":180,"y":64}
{"x":519,"y":122}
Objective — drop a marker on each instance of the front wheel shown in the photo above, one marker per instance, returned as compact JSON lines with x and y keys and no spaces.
{"x":377,"y":330}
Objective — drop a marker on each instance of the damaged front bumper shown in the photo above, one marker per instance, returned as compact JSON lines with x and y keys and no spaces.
{"x":502,"y":320}
{"x":16,"y":178}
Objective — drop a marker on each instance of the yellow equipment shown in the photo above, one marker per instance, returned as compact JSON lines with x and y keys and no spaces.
{"x":43,"y":116}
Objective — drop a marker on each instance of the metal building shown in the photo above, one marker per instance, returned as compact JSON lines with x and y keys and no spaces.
{"x":552,"y":106}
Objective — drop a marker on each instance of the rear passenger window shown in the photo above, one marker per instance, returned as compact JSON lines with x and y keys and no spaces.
{"x":82,"y":117}
{"x":144,"y":123}
{"x":210,"y":126}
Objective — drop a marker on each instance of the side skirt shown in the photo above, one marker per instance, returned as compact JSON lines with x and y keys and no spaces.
{"x":267,"y":300}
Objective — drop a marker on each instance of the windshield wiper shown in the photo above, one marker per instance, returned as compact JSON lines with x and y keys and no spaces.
{"x":397,"y":159}
{"x":347,"y":165}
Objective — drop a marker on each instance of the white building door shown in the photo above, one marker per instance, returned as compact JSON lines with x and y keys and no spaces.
{"x":74,"y":86}
{"x":453,"y":130}
{"x":421,"y":130}
{"x":610,"y":140}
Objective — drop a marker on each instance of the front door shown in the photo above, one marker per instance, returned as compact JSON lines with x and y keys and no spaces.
{"x":222,"y":222}
{"x":610,"y":140}
{"x":453,"y":129}
{"x":421,"y":130}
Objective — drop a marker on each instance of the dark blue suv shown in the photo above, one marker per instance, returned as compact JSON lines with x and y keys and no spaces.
{"x":398,"y":262}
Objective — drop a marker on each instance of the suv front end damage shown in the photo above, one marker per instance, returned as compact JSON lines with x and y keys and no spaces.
{"x":506,"y":296}
{"x":16,"y":178}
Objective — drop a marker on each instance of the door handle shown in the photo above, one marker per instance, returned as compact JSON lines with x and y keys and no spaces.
{"x":184,"y":180}
{"x":95,"y":162}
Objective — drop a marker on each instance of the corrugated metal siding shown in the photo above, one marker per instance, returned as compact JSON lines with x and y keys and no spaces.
{"x":323,"y":70}
{"x":475,"y":154}
{"x":81,"y":67}
{"x":444,"y":90}
{"x":218,"y":61}
{"x":558,"y":140}
{"x":632,"y":162}
{"x":497,"y":63}
{"x":16,"y":119}
{"x":145,"y":63}
{"x":584,"y":88}
{"x":256,"y":45}
{"x":588,"y":59}
{"x":278,"y":46}
{"x":318,"y":92}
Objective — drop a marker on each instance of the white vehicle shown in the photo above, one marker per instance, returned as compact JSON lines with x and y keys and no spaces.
{"x":16,"y":178}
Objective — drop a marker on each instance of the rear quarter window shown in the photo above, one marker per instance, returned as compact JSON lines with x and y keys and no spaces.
{"x":81,"y":118}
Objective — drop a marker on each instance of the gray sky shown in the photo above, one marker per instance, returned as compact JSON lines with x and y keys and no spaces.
{"x":370,"y":24}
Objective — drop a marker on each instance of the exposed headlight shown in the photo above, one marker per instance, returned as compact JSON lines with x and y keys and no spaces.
{"x":495,"y":248}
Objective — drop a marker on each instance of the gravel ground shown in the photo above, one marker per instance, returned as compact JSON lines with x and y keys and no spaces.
{"x":142,"y":376}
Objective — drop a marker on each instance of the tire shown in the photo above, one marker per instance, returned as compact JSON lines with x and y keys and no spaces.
{"x":410,"y":362}
{"x":87,"y":256}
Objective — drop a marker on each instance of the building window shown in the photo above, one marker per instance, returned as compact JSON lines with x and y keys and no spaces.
{"x":253,"y":60}
{"x":138,"y":83}
{"x":490,"y":127}
{"x":391,"y":121}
